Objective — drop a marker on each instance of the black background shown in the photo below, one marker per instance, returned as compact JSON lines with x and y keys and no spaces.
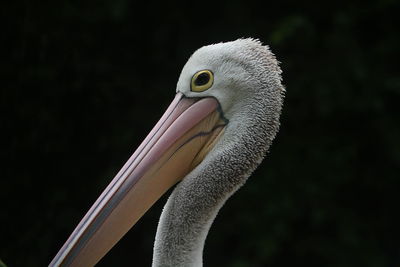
{"x":83,"y":83}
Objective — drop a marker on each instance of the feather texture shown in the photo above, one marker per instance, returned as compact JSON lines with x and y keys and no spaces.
{"x":248,"y":86}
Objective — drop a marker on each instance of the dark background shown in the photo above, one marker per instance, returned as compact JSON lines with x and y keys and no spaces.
{"x":83,"y":83}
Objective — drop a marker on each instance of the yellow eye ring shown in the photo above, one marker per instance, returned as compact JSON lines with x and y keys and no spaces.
{"x":202,"y":80}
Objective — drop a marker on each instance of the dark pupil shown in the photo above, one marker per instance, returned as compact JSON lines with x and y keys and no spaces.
{"x":202,"y":79}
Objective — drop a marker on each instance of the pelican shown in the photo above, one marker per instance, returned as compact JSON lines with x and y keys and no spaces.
{"x":216,"y":131}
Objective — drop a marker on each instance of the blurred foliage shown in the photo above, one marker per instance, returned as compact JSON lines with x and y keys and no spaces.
{"x":83,"y":82}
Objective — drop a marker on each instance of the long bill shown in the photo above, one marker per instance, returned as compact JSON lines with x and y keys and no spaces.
{"x":178,"y":143}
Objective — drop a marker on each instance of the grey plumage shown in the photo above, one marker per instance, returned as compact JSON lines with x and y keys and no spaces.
{"x":248,"y":86}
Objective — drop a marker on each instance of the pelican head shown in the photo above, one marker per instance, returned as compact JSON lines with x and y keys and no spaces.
{"x":213,"y":135}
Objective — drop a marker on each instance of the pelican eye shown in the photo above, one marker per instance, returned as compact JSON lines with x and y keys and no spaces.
{"x":202,"y":80}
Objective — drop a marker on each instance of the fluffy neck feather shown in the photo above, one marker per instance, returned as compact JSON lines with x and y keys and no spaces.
{"x":196,"y":200}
